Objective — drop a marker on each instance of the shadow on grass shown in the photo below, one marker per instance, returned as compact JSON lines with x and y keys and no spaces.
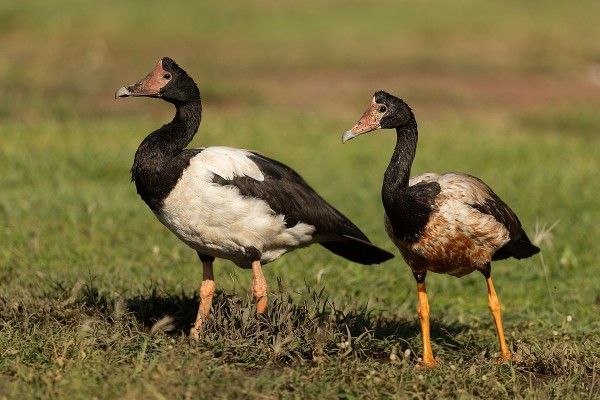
{"x":298,"y":326}
{"x":308,"y":317}
{"x":151,"y":308}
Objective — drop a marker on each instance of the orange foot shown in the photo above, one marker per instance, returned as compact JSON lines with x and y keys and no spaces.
{"x":508,"y":357}
{"x":428,"y":363}
{"x":195,"y":333}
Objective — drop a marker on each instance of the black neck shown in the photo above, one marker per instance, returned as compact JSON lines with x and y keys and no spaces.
{"x":398,"y":171}
{"x":159,"y":160}
{"x":173,"y":137}
{"x":170,"y":139}
{"x":407,"y":207}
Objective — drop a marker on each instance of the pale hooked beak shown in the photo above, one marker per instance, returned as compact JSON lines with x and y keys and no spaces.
{"x":150,"y":86}
{"x":122,"y":92}
{"x":348,"y":135}
{"x":369,"y":121}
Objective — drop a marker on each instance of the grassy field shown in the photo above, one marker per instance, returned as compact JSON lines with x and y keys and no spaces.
{"x":96,"y":297}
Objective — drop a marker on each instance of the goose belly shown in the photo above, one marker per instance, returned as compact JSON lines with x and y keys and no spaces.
{"x":455,"y":241}
{"x":217,"y":220}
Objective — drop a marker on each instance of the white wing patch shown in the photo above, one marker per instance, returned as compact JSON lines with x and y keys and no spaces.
{"x":427,"y":177}
{"x":217,"y":220}
{"x":228,"y":162}
{"x":459,"y":186}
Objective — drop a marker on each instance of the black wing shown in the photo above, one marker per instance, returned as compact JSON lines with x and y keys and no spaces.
{"x":289,"y":195}
{"x":519,"y":246}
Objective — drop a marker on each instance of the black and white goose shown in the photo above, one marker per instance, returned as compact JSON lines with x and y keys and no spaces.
{"x":449,"y":224}
{"x":230,"y":203}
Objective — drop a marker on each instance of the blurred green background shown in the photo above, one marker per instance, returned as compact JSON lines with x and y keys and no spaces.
{"x":61,"y":60}
{"x":506,"y":91}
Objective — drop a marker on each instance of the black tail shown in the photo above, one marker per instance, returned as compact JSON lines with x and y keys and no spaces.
{"x":358,"y":250}
{"x":520,"y":248}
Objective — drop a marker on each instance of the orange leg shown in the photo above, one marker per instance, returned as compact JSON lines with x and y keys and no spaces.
{"x":259,"y":287}
{"x":207,"y":290}
{"x":423,"y":311}
{"x":494,"y":304}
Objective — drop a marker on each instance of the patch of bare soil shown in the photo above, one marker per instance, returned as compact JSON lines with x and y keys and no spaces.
{"x":433,"y":92}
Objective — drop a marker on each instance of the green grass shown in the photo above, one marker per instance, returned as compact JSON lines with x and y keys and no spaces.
{"x":96,"y":297}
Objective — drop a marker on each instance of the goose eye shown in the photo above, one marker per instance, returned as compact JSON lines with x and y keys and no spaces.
{"x":382,"y":109}
{"x":167,"y":76}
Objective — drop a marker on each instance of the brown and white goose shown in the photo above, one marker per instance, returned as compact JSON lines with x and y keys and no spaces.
{"x":230,"y":203}
{"x":449,"y":224}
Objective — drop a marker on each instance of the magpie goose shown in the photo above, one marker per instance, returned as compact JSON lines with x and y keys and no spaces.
{"x":230,"y":203}
{"x":449,"y":224}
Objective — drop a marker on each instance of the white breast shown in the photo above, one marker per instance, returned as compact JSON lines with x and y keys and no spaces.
{"x":217,"y":220}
